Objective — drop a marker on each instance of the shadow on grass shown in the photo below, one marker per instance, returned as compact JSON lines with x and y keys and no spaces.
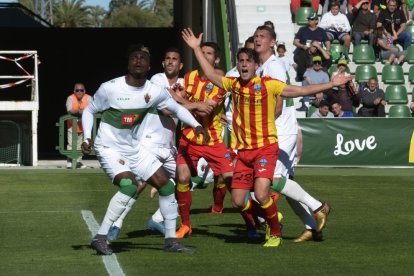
{"x":121,"y":246}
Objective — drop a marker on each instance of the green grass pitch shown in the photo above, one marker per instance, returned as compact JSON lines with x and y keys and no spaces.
{"x":370,"y":230}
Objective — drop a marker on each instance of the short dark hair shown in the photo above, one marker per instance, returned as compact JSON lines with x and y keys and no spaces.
{"x":250,"y":39}
{"x":250,"y":53}
{"x":266,"y":28}
{"x":213,"y":45}
{"x":268,"y":22}
{"x":323,"y":103}
{"x":174,"y":50}
{"x":281,"y":46}
{"x":137,"y":47}
{"x":336,"y":102}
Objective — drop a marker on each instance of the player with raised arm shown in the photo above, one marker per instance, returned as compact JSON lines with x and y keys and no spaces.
{"x":254,"y":130}
{"x":124,"y":102}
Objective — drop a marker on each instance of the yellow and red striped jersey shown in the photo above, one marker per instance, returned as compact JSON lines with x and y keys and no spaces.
{"x":254,"y":105}
{"x":199,"y":90}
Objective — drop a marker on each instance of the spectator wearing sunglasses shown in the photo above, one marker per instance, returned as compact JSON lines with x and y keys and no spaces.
{"x":75,"y":104}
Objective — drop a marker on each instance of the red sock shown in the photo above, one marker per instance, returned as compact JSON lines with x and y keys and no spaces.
{"x":219,"y":192}
{"x":270,"y":211}
{"x":184,"y":199}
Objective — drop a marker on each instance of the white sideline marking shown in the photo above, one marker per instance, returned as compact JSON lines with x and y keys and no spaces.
{"x":110,"y":262}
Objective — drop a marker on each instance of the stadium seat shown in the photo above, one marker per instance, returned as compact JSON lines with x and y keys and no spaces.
{"x":364,"y":72}
{"x":334,"y":68}
{"x":410,"y":55}
{"x":311,"y":110}
{"x":301,"y":17}
{"x":411,"y":74}
{"x":399,"y":111}
{"x":392,"y":74}
{"x":363,"y":54}
{"x":396,"y":94}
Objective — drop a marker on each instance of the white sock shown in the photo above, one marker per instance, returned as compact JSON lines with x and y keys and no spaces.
{"x":157,"y":216}
{"x":293,"y":190}
{"x":302,"y":211}
{"x":168,"y":208}
{"x":118,"y":223}
{"x":116,"y":207}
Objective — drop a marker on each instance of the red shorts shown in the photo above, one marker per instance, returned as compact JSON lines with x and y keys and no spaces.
{"x":218,"y":157}
{"x":254,"y":163}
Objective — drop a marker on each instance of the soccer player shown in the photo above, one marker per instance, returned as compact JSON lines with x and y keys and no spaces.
{"x":287,"y":130}
{"x":124,"y":102}
{"x":254,"y":130}
{"x":197,"y":88}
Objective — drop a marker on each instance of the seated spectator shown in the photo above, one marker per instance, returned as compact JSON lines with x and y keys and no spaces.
{"x":308,"y":41}
{"x":345,"y":95}
{"x":288,"y":62}
{"x":388,"y":51}
{"x":327,"y":5}
{"x":381,"y":5}
{"x":336,"y":25}
{"x":339,"y":113}
{"x":314,"y":75}
{"x":363,"y":23}
{"x":372,"y":99}
{"x":393,"y":16}
{"x":323,"y":111}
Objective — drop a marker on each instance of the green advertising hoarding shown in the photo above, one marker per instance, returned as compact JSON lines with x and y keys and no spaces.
{"x":357,"y":142}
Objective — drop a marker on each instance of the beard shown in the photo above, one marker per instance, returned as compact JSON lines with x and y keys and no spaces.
{"x":138,"y":75}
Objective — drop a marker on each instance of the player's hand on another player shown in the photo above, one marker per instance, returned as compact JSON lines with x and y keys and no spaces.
{"x":204,"y":107}
{"x":87,"y":146}
{"x":191,"y":39}
{"x":340,"y":79}
{"x":201,"y":131}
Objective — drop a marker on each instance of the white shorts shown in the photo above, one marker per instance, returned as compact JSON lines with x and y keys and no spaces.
{"x":207,"y":176}
{"x":284,"y":165}
{"x":142,"y":163}
{"x":167,"y":156}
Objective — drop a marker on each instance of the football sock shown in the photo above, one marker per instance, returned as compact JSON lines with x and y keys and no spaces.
{"x":302,"y":211}
{"x":272,"y":220}
{"x":292,"y":189}
{"x":116,"y":207}
{"x":118,"y":223}
{"x":219,"y":192}
{"x":157,"y":216}
{"x":168,"y":208}
{"x":185,"y":199}
{"x":247,"y":215}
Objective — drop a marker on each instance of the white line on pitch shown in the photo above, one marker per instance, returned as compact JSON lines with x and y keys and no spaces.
{"x":110,"y":262}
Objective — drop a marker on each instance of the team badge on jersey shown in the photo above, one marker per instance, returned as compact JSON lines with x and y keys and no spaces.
{"x":122,"y":162}
{"x":147,"y":98}
{"x":228,"y":157}
{"x":209,"y":87}
{"x":257,"y":88}
{"x":263,"y":162}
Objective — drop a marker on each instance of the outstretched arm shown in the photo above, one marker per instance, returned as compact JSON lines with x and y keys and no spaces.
{"x":208,"y":69}
{"x":293,"y":91}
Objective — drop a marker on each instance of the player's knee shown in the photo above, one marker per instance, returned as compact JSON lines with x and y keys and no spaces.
{"x":168,"y":188}
{"x":127,"y":187}
{"x":278,"y":184}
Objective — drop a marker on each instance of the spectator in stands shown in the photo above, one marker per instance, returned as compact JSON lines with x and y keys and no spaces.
{"x":372,"y":99}
{"x":75,"y":104}
{"x":328,"y":5}
{"x":308,"y":41}
{"x":336,"y":25}
{"x":388,"y":51}
{"x":288,"y":62}
{"x":381,"y":5}
{"x":363,"y":22}
{"x":323,"y":111}
{"x":345,"y":95}
{"x":315,"y":75}
{"x":339,"y":113}
{"x":412,"y":108}
{"x":394,"y":17}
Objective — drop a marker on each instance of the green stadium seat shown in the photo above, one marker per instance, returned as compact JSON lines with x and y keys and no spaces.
{"x":334,"y":68}
{"x":396,"y":94}
{"x":411,"y":74}
{"x":363,"y":54}
{"x":410,"y":55}
{"x":301,"y":17}
{"x":364,"y":72}
{"x":399,"y":111}
{"x":410,"y":29}
{"x":311,"y":110}
{"x":393,"y":74}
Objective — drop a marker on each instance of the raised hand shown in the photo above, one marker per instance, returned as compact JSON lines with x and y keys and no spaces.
{"x":340,"y":79}
{"x":190,"y":38}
